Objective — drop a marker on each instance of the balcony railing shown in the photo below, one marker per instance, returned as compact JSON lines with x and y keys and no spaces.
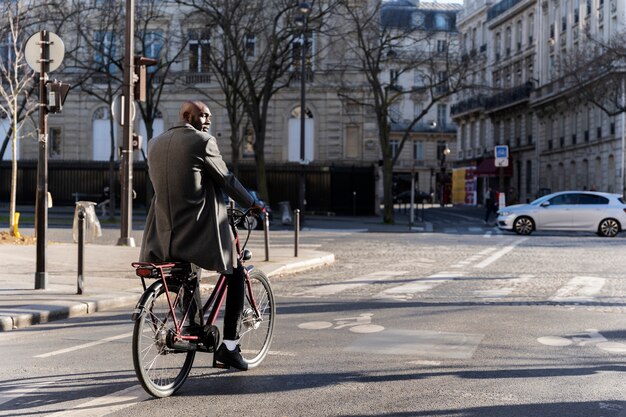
{"x":474,"y":103}
{"x":509,"y":96}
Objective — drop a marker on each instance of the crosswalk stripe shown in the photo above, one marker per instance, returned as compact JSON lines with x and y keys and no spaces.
{"x":406,"y":291}
{"x":351,"y":283}
{"x":579,"y":289}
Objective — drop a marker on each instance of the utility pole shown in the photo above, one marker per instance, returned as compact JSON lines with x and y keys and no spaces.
{"x":41,"y":274}
{"x":44,"y":52}
{"x":126,"y":209}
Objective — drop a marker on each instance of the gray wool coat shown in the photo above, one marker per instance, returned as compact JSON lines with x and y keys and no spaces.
{"x":187,"y":220}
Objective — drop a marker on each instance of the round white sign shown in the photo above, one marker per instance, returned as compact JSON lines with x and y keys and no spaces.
{"x":32,"y":51}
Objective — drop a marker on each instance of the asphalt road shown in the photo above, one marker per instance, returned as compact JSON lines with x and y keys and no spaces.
{"x":463,"y":322}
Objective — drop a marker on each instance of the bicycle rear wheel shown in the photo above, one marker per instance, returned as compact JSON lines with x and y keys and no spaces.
{"x":160,"y":369}
{"x":255,"y":330}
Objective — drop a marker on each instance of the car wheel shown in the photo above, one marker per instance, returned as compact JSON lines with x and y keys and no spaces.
{"x":523,"y":225}
{"x":609,"y":228}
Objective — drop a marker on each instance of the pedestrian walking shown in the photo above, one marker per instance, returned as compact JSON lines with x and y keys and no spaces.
{"x":491,"y":204}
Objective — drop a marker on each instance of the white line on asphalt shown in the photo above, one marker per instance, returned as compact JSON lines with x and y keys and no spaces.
{"x":512,"y":285}
{"x":106,"y":405}
{"x":6,"y":396}
{"x":351,"y":283}
{"x":406,"y":291}
{"x":85,"y":345}
{"x":579,"y":290}
{"x":499,"y":254}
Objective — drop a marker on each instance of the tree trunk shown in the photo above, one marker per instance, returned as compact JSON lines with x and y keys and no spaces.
{"x":388,"y":214}
{"x":12,"y":204}
{"x":112,"y":176}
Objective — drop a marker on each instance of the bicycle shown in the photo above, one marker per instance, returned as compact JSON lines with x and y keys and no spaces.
{"x":169,"y":330}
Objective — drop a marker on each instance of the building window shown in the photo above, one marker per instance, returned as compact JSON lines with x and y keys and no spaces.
{"x":394,"y":112}
{"x":418,"y":150}
{"x":508,"y":41}
{"x":393,"y":146}
{"x":152,"y":47}
{"x":353,"y":136}
{"x":199,"y":50}
{"x":441,"y":22}
{"x":105,"y":51}
{"x":442,"y":115}
{"x":248,"y":143}
{"x":7,"y":52}
{"x":54,"y":142}
{"x":442,"y":45}
{"x":250,"y":46}
{"x":529,"y":175}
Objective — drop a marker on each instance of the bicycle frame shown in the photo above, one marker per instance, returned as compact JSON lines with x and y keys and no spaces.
{"x":213,"y":304}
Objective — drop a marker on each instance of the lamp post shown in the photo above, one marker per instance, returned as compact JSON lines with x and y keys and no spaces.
{"x":304,"y":9}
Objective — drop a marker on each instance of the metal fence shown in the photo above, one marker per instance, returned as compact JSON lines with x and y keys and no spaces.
{"x":342,"y":190}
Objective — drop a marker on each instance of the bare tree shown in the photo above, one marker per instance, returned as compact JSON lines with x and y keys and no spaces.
{"x":596,"y":73}
{"x":373,"y":47}
{"x":93,"y":60}
{"x":16,"y":88}
{"x":271,"y":24}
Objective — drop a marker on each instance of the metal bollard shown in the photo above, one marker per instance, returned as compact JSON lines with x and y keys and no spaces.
{"x":81,"y":250}
{"x":296,"y":228}
{"x":266,"y":233}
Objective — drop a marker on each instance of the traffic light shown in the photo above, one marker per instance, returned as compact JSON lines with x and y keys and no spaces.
{"x":57,"y":92}
{"x":141,"y":75}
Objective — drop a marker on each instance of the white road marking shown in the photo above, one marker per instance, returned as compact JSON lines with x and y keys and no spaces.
{"x":499,"y":254}
{"x":106,"y":405}
{"x":85,"y":345}
{"x":351,"y":283}
{"x":579,"y":290}
{"x":406,"y":291}
{"x":512,"y":285}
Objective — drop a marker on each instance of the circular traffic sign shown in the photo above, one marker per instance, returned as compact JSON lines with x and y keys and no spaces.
{"x":32,"y":51}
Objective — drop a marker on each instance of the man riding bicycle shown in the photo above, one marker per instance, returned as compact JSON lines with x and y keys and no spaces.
{"x":187,"y":220}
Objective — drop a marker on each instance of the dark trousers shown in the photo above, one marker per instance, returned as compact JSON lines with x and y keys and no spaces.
{"x":491,"y":208}
{"x":234,"y":303}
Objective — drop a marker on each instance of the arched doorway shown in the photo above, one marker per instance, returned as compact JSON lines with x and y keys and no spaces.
{"x":158,"y":127}
{"x":294,"y":136}
{"x":101,"y":135}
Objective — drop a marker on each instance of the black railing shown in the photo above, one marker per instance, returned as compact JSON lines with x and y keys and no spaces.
{"x":509,"y":96}
{"x":464,"y":106}
{"x":329,"y":189}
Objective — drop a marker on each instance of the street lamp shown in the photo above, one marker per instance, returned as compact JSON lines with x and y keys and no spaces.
{"x":304,"y":9}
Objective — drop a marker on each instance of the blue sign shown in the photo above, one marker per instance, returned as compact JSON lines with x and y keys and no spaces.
{"x":502,"y":151}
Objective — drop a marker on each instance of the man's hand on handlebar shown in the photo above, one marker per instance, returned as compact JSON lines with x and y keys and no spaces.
{"x":256,"y":209}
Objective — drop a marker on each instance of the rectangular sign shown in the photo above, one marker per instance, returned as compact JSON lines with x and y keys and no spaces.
{"x":502,"y":151}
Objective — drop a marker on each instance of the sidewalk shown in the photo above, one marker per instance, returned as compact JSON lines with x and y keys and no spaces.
{"x":109,"y":279}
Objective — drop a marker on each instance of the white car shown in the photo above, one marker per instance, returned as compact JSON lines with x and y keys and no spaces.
{"x":591,"y":211}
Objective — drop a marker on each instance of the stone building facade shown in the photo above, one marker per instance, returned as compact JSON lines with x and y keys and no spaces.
{"x":555,"y":143}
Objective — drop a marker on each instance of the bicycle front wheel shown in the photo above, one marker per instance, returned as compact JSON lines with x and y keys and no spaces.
{"x":160,"y":369}
{"x":256,"y":330}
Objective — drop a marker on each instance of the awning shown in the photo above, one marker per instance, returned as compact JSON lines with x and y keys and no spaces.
{"x":487,"y":168}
